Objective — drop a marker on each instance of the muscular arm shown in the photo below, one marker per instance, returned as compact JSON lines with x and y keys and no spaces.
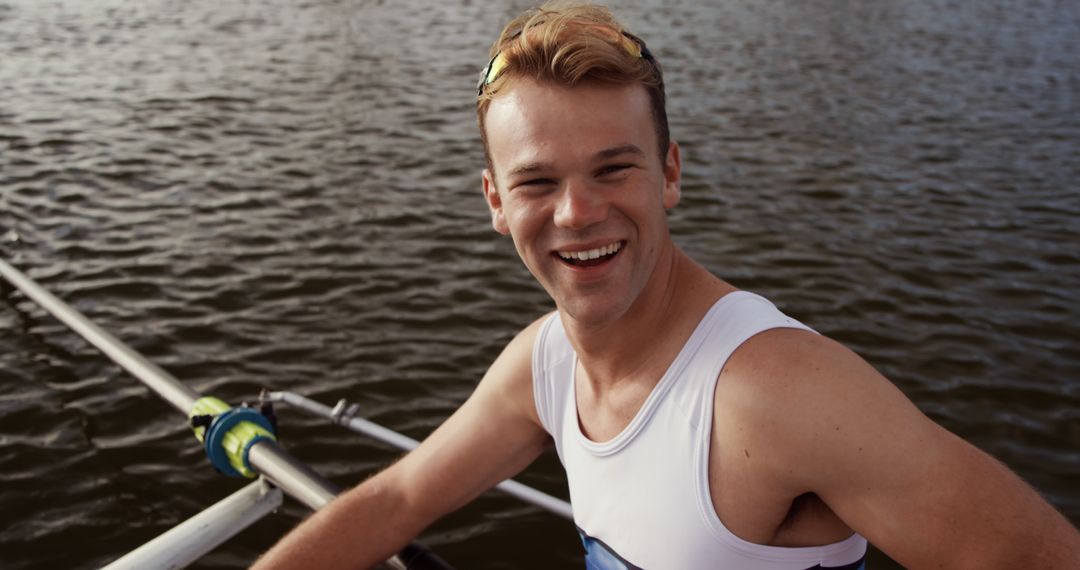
{"x":919,"y":493}
{"x":494,"y":435}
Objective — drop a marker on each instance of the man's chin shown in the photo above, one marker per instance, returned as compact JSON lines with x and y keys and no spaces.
{"x":591,"y":311}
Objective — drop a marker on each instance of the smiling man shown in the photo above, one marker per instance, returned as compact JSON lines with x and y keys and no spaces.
{"x":698,"y":425}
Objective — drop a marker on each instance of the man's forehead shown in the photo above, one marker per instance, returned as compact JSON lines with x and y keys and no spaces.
{"x":529,"y":123}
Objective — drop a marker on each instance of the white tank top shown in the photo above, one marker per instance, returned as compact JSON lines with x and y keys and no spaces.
{"x":642,"y":499}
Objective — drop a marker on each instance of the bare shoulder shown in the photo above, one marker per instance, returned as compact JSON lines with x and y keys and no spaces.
{"x":491,"y":437}
{"x":812,"y":402}
{"x":823,"y":421}
{"x":509,"y":379}
{"x":791,"y":397}
{"x":796,"y":376}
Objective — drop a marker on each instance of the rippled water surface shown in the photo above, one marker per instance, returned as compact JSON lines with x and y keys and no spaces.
{"x":286,"y":194}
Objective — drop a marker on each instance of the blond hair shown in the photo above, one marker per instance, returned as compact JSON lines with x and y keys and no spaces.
{"x":570,"y":44}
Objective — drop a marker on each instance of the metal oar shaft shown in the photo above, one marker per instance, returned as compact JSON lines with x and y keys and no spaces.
{"x":283,"y":470}
{"x":266,"y":457}
{"x":180,"y":396}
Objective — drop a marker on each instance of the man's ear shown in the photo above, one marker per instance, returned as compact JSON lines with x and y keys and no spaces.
{"x":494,"y":202}
{"x":672,"y":176}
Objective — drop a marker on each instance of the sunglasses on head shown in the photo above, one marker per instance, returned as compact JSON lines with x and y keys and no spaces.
{"x":629,"y":42}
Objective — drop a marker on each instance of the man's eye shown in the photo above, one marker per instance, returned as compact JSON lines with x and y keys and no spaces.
{"x":614,"y":169}
{"x":536,"y":182}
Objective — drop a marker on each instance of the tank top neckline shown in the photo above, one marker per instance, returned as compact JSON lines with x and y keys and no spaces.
{"x":656,"y":396}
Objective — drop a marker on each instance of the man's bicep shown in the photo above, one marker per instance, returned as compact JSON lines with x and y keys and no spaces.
{"x":915,"y":490}
{"x":492,"y":436}
{"x":928,"y":497}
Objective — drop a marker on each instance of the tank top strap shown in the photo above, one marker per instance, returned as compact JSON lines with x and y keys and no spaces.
{"x":732,"y":320}
{"x":552,"y":372}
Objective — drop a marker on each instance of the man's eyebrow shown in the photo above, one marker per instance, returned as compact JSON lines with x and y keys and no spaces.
{"x":529,"y":168}
{"x":607,"y":153}
{"x":618,"y":150}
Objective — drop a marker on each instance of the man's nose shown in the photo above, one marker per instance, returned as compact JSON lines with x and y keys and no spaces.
{"x":580,"y":206}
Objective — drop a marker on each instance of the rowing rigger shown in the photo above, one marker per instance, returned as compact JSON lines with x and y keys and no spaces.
{"x":241,"y":441}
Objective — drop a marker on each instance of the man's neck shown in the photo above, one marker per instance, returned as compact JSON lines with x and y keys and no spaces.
{"x":639,"y":345}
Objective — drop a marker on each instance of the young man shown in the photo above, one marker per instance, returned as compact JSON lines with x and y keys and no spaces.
{"x":699,"y":426}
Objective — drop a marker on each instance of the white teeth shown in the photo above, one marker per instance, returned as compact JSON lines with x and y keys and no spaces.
{"x":591,"y":253}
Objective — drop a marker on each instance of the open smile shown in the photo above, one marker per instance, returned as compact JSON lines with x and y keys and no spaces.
{"x":590,"y":257}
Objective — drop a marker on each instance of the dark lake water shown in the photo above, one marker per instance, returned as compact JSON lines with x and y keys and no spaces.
{"x":286,"y":194}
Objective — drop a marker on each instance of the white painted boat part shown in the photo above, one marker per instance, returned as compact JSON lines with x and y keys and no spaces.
{"x":192,"y":539}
